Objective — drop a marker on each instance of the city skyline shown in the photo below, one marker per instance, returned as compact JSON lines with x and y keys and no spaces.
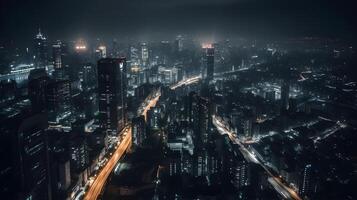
{"x":228,"y":18}
{"x":181,"y":100}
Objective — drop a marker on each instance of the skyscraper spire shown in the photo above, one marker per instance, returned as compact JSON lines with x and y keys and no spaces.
{"x":40,"y":56}
{"x":39,"y":34}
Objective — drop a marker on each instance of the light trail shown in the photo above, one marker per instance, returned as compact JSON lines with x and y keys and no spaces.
{"x":328,"y":132}
{"x":277,"y":182}
{"x":187,"y":81}
{"x":195,"y":79}
{"x":231,"y":71}
{"x":257,"y":139}
{"x":97,"y":186}
{"x":149,"y":102}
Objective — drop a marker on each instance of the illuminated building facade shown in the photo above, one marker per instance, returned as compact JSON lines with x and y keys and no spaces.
{"x":41,"y":56}
{"x":112,"y":93}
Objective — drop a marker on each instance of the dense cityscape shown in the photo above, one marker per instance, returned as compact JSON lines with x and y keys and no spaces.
{"x":181,"y":117}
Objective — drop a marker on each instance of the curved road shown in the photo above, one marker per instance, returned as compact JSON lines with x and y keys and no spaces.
{"x":96,"y":188}
{"x":99,"y":182}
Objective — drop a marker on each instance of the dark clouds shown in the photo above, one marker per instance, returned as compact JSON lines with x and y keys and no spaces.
{"x":71,"y":18}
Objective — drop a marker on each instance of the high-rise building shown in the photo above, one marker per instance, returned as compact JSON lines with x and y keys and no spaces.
{"x":112,"y":93}
{"x":201,"y":117}
{"x":179,"y":43}
{"x":209,"y":63}
{"x":115,"y":49}
{"x":59,"y":164}
{"x":139,"y":130}
{"x":241,"y":176}
{"x":57,"y":55}
{"x":134,"y":56}
{"x":40,"y":57}
{"x":23,"y":149}
{"x":306,"y":184}
{"x":153,"y":117}
{"x":144,"y":54}
{"x":285,"y":90}
{"x":58,"y":100}
{"x":87,"y":77}
{"x":79,"y":152}
{"x":8,"y":89}
{"x":248,"y":127}
{"x":37,"y":84}
{"x":101,"y":52}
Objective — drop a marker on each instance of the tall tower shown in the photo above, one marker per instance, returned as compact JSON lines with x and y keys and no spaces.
{"x":112,"y":93}
{"x":134,"y":56}
{"x":285,"y":90}
{"x":57,"y":55}
{"x":24,"y":148}
{"x":58,"y":100}
{"x":144,"y":53}
{"x":208,"y":67}
{"x":115,"y":49}
{"x":40,"y":57}
{"x":306,"y":184}
{"x":37,"y":84}
{"x":201,"y":117}
{"x":179,"y":43}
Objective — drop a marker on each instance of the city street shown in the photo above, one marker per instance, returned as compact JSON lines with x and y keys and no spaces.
{"x":95,"y":189}
{"x":276,"y":181}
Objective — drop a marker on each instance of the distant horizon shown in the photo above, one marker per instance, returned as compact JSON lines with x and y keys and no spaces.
{"x":157,"y":18}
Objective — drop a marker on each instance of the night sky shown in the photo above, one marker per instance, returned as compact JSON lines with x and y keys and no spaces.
{"x":269,"y":18}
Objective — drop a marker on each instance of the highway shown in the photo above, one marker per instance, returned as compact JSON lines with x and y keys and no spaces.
{"x":96,"y":188}
{"x":187,"y":81}
{"x":275,"y":180}
{"x":328,"y":132}
{"x":231,"y":71}
{"x":99,"y":182}
{"x":149,"y":102}
{"x":195,"y":79}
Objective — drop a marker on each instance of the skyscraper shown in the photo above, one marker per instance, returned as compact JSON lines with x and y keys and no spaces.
{"x":40,"y":57}
{"x":88,"y":77}
{"x":57,"y":55}
{"x":115,"y":49}
{"x":58,"y":99}
{"x":201,"y":117}
{"x":112,"y":93}
{"x":306,"y":184}
{"x":134,"y":56}
{"x":285,"y":90}
{"x":208,"y":64}
{"x":241,"y":176}
{"x":37,"y":84}
{"x":139,"y":130}
{"x":59,"y":72}
{"x":179,"y":43}
{"x":153,"y":117}
{"x":144,"y":53}
{"x":24,"y":150}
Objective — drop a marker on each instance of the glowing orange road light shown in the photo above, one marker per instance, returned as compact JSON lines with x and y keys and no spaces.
{"x":207,"y":45}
